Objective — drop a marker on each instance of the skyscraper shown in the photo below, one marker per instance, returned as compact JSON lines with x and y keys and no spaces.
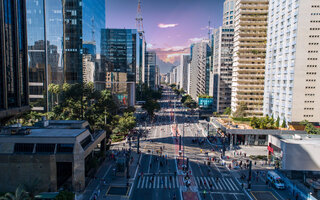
{"x":249,"y":55}
{"x":222,"y":67}
{"x":150,"y":69}
{"x":55,"y":49}
{"x":200,"y":69}
{"x":13,"y":59}
{"x":72,"y":41}
{"x":119,"y":48}
{"x":228,"y":12}
{"x":292,"y":87}
{"x":184,"y":62}
{"x":37,"y":50}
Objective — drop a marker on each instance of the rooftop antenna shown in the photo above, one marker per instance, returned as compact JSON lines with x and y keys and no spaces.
{"x":209,"y":30}
{"x":139,"y":19}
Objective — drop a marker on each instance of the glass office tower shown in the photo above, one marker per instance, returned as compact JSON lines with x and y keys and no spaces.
{"x":37,"y":54}
{"x":119,"y":49}
{"x":13,"y":58}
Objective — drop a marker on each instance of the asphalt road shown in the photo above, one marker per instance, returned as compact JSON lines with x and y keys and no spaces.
{"x":156,"y":177}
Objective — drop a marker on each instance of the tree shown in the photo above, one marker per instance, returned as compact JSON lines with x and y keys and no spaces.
{"x":20,"y":194}
{"x":33,"y":187}
{"x":309,"y":128}
{"x":241,"y":110}
{"x":284,"y":124}
{"x":65,"y":195}
{"x":126,"y":123}
{"x":278,"y":122}
{"x":227,"y":111}
{"x":150,"y":106}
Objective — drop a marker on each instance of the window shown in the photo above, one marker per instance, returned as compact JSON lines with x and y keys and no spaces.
{"x":64,"y":148}
{"x":84,"y":143}
{"x":23,"y":148}
{"x":45,"y":148}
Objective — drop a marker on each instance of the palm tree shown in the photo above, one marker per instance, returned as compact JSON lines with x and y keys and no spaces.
{"x":20,"y":194}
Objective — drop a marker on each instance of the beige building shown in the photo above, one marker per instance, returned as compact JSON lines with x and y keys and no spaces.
{"x":249,"y":55}
{"x":292,"y":85}
{"x":88,"y":65}
{"x":55,"y":152}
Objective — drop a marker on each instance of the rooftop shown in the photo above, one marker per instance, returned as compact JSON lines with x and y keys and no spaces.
{"x":44,"y":132}
{"x":299,"y":139}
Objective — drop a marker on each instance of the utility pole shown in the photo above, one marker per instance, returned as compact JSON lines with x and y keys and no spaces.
{"x":250,"y":175}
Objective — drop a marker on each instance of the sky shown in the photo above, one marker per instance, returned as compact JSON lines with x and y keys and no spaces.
{"x":170,"y":26}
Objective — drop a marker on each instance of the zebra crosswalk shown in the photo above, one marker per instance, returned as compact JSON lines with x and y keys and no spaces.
{"x":158,"y":182}
{"x":224,"y":184}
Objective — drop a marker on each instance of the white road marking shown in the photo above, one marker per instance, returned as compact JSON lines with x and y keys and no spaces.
{"x":143,"y":182}
{"x":139,"y":182}
{"x":227,"y":185}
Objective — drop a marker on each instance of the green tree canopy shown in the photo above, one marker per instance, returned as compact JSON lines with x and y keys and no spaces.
{"x":227,"y":111}
{"x":241,"y":110}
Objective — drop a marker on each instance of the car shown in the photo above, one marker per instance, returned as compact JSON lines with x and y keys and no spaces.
{"x":275,"y":180}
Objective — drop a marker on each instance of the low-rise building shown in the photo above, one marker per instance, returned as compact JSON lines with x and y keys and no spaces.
{"x":56,"y":152}
{"x":295,"y":152}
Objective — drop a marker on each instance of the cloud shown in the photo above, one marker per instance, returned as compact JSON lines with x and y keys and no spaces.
{"x":167,"y":25}
{"x":195,"y":40}
{"x":171,"y":54}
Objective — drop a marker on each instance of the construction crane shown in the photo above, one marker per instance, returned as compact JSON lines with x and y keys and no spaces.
{"x":139,"y":20}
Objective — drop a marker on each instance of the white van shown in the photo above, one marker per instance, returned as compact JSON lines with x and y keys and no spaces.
{"x":275,"y":180}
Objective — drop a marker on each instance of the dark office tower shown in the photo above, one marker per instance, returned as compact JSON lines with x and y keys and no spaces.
{"x":150,"y":69}
{"x":72,"y":41}
{"x":37,"y":55}
{"x":118,"y":48}
{"x":13,"y":59}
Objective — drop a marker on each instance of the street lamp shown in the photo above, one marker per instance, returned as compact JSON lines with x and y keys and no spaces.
{"x":139,"y":133}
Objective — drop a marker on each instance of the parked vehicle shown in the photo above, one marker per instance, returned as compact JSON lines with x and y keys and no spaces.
{"x":275,"y":180}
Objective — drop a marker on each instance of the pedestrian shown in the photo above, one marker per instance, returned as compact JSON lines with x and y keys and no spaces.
{"x":297,"y":196}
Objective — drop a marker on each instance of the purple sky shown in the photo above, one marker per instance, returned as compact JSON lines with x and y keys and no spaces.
{"x":188,"y":20}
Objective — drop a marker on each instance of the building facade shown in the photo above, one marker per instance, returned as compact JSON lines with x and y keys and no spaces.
{"x":14,"y":95}
{"x":55,"y":49}
{"x":200,"y":69}
{"x":119,"y":48}
{"x":72,"y":41}
{"x":249,"y":55}
{"x":292,"y":87}
{"x":54,"y":152}
{"x":37,"y":50}
{"x":184,"y":63}
{"x":228,"y":12}
{"x":222,"y":68}
{"x":150,"y":69}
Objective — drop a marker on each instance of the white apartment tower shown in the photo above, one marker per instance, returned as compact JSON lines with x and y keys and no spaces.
{"x":222,"y":67}
{"x":184,"y":61}
{"x":249,"y":55}
{"x":199,"y":69}
{"x":292,"y":81}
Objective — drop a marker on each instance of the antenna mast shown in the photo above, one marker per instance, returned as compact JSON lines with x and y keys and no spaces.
{"x":139,"y":19}
{"x":209,"y":30}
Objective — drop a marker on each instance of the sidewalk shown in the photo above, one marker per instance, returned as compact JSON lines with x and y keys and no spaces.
{"x":106,"y":172}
